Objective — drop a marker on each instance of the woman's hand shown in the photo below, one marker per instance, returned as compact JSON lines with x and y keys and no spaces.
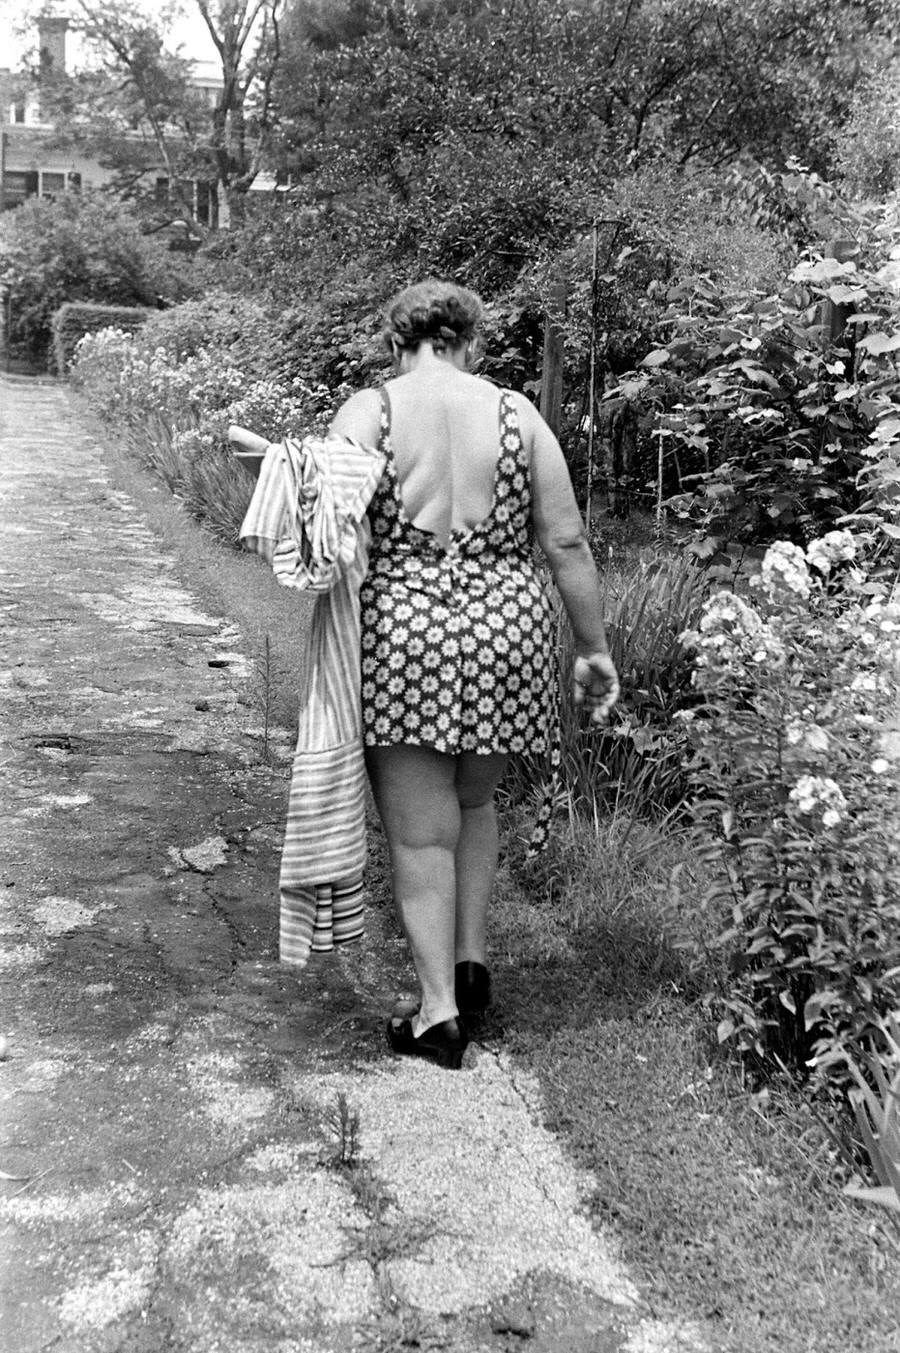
{"x":249,"y":448}
{"x":596,"y":685}
{"x":247,"y":443}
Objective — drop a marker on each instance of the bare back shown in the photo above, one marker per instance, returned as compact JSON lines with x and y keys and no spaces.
{"x":445,"y":437}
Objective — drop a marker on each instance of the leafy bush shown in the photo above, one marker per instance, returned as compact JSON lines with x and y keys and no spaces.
{"x":752,"y":421}
{"x":796,"y":775}
{"x":76,"y":318}
{"x":868,"y":143}
{"x":176,"y":413}
{"x":236,"y":328}
{"x":75,"y":248}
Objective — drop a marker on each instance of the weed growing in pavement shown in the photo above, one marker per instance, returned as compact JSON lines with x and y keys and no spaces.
{"x":343,"y":1123}
{"x":269,"y":676}
{"x":400,"y":1329}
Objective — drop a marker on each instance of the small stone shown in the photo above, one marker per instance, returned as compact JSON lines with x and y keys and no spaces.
{"x":202,"y":705}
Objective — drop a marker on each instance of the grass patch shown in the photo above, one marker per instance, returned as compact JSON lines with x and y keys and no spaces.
{"x":727,"y":1204}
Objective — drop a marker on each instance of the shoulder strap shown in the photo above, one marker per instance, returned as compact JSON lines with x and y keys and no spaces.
{"x":385,"y":413}
{"x":509,"y":418}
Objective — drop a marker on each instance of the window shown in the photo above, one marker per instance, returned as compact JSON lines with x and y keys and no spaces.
{"x":15,"y":187}
{"x":18,"y":184}
{"x":17,"y":111}
{"x":52,"y":183}
{"x":196,"y":194}
{"x":204,"y":203}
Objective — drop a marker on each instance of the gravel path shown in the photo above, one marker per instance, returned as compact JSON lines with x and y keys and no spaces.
{"x":200,"y":1153}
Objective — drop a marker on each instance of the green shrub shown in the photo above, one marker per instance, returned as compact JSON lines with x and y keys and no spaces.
{"x":752,"y":424}
{"x":175,"y":411}
{"x":237,"y":329}
{"x":76,"y":318}
{"x":74,"y":248}
{"x":868,"y":144}
{"x":796,"y":773}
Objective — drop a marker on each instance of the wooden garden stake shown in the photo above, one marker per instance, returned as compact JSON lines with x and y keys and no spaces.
{"x":552,"y":364}
{"x":834,"y":315}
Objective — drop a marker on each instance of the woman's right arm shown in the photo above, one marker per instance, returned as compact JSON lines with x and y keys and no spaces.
{"x":561,"y":535}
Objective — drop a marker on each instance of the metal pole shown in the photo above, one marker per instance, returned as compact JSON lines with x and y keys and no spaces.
{"x":591,"y":386}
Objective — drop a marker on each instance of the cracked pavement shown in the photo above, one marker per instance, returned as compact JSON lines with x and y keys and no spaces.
{"x":202,"y":1153}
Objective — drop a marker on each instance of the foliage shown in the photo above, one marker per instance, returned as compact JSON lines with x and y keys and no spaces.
{"x":137,"y":109}
{"x":637,"y":762}
{"x":796,"y":777}
{"x":638,"y":759}
{"x":73,"y":249}
{"x":755,"y":419}
{"x":875,"y":1097}
{"x":176,"y":408}
{"x":235,"y":327}
{"x":553,"y":84}
{"x":868,"y":143}
{"x":73,"y":320}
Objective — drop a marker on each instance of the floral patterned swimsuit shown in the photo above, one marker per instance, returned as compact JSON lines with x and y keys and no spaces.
{"x":457,"y":650}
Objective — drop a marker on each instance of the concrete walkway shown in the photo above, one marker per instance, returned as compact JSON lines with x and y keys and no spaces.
{"x":200,"y":1153}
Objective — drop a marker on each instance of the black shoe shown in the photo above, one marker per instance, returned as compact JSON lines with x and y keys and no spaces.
{"x":473,"y":988}
{"x":443,"y":1043}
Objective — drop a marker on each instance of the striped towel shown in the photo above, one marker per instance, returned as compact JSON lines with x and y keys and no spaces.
{"x":307,"y":518}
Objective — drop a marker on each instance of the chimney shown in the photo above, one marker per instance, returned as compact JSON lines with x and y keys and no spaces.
{"x":52,"y":41}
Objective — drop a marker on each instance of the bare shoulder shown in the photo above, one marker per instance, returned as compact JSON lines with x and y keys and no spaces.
{"x":536,"y":434}
{"x":359,"y":417}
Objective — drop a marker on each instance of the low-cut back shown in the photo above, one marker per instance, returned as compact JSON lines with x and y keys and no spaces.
{"x":457,"y":635}
{"x":445,"y":448}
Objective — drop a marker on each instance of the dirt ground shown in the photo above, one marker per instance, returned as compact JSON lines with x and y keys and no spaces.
{"x":201,"y":1152}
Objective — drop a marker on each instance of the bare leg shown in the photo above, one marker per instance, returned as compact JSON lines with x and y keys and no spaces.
{"x":415,"y":792}
{"x":476,"y":852}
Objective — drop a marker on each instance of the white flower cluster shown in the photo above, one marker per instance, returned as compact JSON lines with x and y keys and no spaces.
{"x":835,"y":547}
{"x":816,"y":791}
{"x":732,"y":632}
{"x":884,"y":615}
{"x":784,"y":566}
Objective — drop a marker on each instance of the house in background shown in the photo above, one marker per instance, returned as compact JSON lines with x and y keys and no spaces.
{"x":31,"y":165}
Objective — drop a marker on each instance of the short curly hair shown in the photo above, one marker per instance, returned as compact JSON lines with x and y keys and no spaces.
{"x":440,"y":313}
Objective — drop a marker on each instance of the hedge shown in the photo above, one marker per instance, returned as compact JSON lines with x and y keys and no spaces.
{"x":73,"y":320}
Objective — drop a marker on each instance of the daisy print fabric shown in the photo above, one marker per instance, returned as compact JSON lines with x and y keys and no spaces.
{"x":457,"y":641}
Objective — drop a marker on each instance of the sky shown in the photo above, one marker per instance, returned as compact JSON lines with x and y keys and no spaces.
{"x":189,"y":31}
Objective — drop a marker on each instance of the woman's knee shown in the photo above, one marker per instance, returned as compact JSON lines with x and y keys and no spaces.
{"x":477,"y":778}
{"x":414,"y":791}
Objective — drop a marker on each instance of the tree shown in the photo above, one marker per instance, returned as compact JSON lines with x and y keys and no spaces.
{"x":139,"y":110}
{"x":476,"y":134}
{"x":77,"y":248}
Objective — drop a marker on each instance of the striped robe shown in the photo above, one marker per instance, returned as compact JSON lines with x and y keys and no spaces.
{"x":307,"y":519}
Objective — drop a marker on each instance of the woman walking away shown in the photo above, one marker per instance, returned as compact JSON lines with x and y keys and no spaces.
{"x":457,"y":661}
